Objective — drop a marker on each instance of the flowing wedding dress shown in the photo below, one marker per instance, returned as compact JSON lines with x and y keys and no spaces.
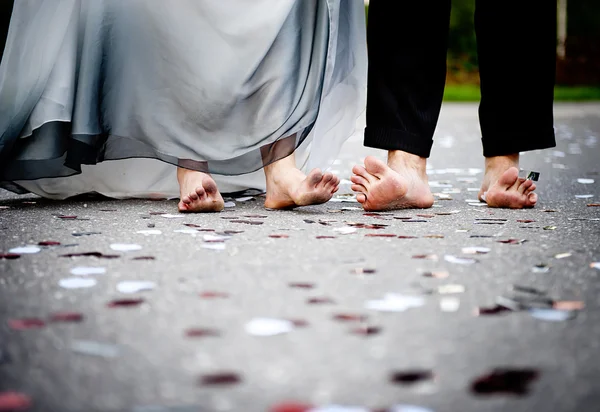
{"x":109,"y":96}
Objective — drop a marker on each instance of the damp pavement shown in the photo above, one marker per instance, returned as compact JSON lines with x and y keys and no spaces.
{"x":456,"y":308}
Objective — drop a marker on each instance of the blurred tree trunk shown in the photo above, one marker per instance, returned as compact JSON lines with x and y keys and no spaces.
{"x":562,"y":29}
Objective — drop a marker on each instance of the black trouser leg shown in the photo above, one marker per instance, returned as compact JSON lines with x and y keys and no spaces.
{"x":6,"y":7}
{"x":516,"y":47}
{"x":407,"y":43}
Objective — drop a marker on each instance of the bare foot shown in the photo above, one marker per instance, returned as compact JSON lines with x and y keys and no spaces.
{"x":288,"y":187}
{"x":502,"y":186}
{"x":402,"y":184}
{"x":198,"y":192}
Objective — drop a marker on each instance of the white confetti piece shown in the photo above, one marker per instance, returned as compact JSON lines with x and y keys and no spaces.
{"x":540,"y":269}
{"x":595,"y":265}
{"x":87,"y":271}
{"x":583,"y":196}
{"x":25,"y":250}
{"x":172,"y":216}
{"x":148,"y":232}
{"x":77,"y":283}
{"x":393,"y":302}
{"x":552,"y":315}
{"x":229,"y":204}
{"x":408,"y":408}
{"x":216,"y":238}
{"x":558,"y":153}
{"x":562,"y":255}
{"x":268,"y":326}
{"x":192,"y":232}
{"x":345,"y":230}
{"x":459,"y":260}
{"x":125,"y":247}
{"x":449,"y":304}
{"x":88,"y":347}
{"x":214,"y":246}
{"x":244,"y":199}
{"x":450,"y":289}
{"x":585,"y":181}
{"x":475,"y":250}
{"x":135,"y":286}
{"x":479,"y":204}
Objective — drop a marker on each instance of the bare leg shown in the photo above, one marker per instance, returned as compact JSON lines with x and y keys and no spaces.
{"x":400,"y":184}
{"x":288,"y":187}
{"x":502,"y":186}
{"x":198,"y":192}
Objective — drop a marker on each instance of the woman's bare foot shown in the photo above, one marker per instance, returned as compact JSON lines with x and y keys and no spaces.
{"x":401,"y":184}
{"x":288,"y":187}
{"x":198,"y":192}
{"x":502,"y":186}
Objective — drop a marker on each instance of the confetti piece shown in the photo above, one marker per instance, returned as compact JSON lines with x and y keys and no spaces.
{"x":450,"y":289}
{"x":426,"y":257}
{"x":388,"y":235}
{"x":211,"y":294}
{"x":449,"y":304}
{"x":91,"y":348}
{"x":14,"y":401}
{"x":26,"y":323}
{"x":301,"y":285}
{"x":366,"y":330}
{"x":512,"y":241}
{"x":411,"y":377}
{"x":395,"y":303}
{"x":459,"y":260}
{"x":540,"y":268}
{"x":552,"y":315}
{"x":244,"y":199}
{"x":593,"y":205}
{"x":77,"y":283}
{"x":91,"y":254}
{"x":66,"y":317}
{"x":171,"y":216}
{"x":290,"y":406}
{"x":25,"y":250}
{"x":504,"y":381}
{"x":67,"y":217}
{"x":125,"y":302}
{"x":475,"y":250}
{"x":149,"y":232}
{"x":535,"y":176}
{"x":364,"y":271}
{"x":434,"y":236}
{"x":345,"y":230}
{"x":144,"y":258}
{"x":595,"y":265}
{"x":229,"y":204}
{"x":407,"y":237}
{"x":525,"y":220}
{"x":492,"y":310}
{"x":349,"y":317}
{"x":201,"y":332}
{"x":583,"y":196}
{"x":125,"y":247}
{"x":247,"y":222}
{"x":79,"y":234}
{"x":568,"y":305}
{"x":338,"y":408}
{"x":135,"y":286}
{"x":278,"y":236}
{"x":48,"y":243}
{"x":9,"y":256}
{"x":440,"y":274}
{"x":325,"y":237}
{"x":320,"y":300}
{"x":213,"y":246}
{"x":87,"y":271}
{"x":562,"y":255}
{"x":268,"y":326}
{"x":585,"y":181}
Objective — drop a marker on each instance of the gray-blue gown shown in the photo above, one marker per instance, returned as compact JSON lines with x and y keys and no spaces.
{"x":149,"y":84}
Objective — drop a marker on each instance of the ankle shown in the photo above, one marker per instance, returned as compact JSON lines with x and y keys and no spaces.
{"x":399,"y":160}
{"x":502,"y":162}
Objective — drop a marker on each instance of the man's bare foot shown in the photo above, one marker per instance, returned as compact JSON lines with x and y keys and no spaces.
{"x":198,"y":192}
{"x":401,"y":184}
{"x":288,"y":187}
{"x":502,"y":186}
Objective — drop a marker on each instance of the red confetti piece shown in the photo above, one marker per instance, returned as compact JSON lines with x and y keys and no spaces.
{"x":525,"y":220}
{"x":426,"y":216}
{"x":325,"y":237}
{"x":429,"y":257}
{"x":411,"y":377}
{"x":125,"y":302}
{"x":290,"y":407}
{"x":279,"y":236}
{"x":505,"y":381}
{"x":299,"y":323}
{"x":349,"y":317}
{"x":493,"y":310}
{"x":403,"y":217}
{"x":301,"y":285}
{"x":320,"y":301}
{"x":48,"y":243}
{"x":367,"y":330}
{"x":202,"y":332}
{"x":436,"y":274}
{"x":380,"y":235}
{"x":66,"y":317}
{"x":228,"y":232}
{"x":223,"y":378}
{"x":144,"y":258}
{"x":367,"y":226}
{"x":26,"y":323}
{"x":512,"y":241}
{"x":211,"y":294}
{"x":192,"y":225}
{"x":66,"y":217}
{"x":9,"y":256}
{"x":364,"y":271}
{"x":593,"y":205}
{"x":14,"y":401}
{"x":91,"y":254}
{"x":406,"y":237}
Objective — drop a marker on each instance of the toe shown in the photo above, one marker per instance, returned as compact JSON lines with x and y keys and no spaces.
{"x":524,"y":186}
{"x":361,"y":198}
{"x":314,"y":177}
{"x":375,"y":166}
{"x":327,"y":177}
{"x":200,"y":192}
{"x":361,"y":171}
{"x":359,"y":188}
{"x":193,"y":196}
{"x":359,"y":180}
{"x":508,"y":178}
{"x":186,"y":200}
{"x":209,"y":186}
{"x":532,"y":199}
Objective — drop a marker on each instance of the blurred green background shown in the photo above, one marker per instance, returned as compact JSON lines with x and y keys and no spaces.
{"x":577,"y":71}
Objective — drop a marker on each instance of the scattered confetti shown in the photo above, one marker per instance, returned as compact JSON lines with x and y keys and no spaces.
{"x":125,"y":302}
{"x":26,"y":323}
{"x":345,"y":230}
{"x":525,"y":220}
{"x":9,"y":256}
{"x":493,"y":310}
{"x":14,"y":401}
{"x":48,"y":243}
{"x":552,"y":315}
{"x":459,"y":260}
{"x":268,"y":326}
{"x":325,"y":237}
{"x":144,"y":258}
{"x":475,"y":250}
{"x":388,"y":235}
{"x":449,"y":304}
{"x":585,"y":181}
{"x":125,"y":247}
{"x":99,"y":349}
{"x":505,"y":381}
{"x":77,"y":283}
{"x":91,"y":254}
{"x":593,"y":205}
{"x":450,"y":289}
{"x":87,"y":271}
{"x":135,"y":286}
{"x":25,"y":250}
{"x":278,"y":236}
{"x":512,"y":241}
{"x":395,"y":303}
{"x":247,"y":222}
